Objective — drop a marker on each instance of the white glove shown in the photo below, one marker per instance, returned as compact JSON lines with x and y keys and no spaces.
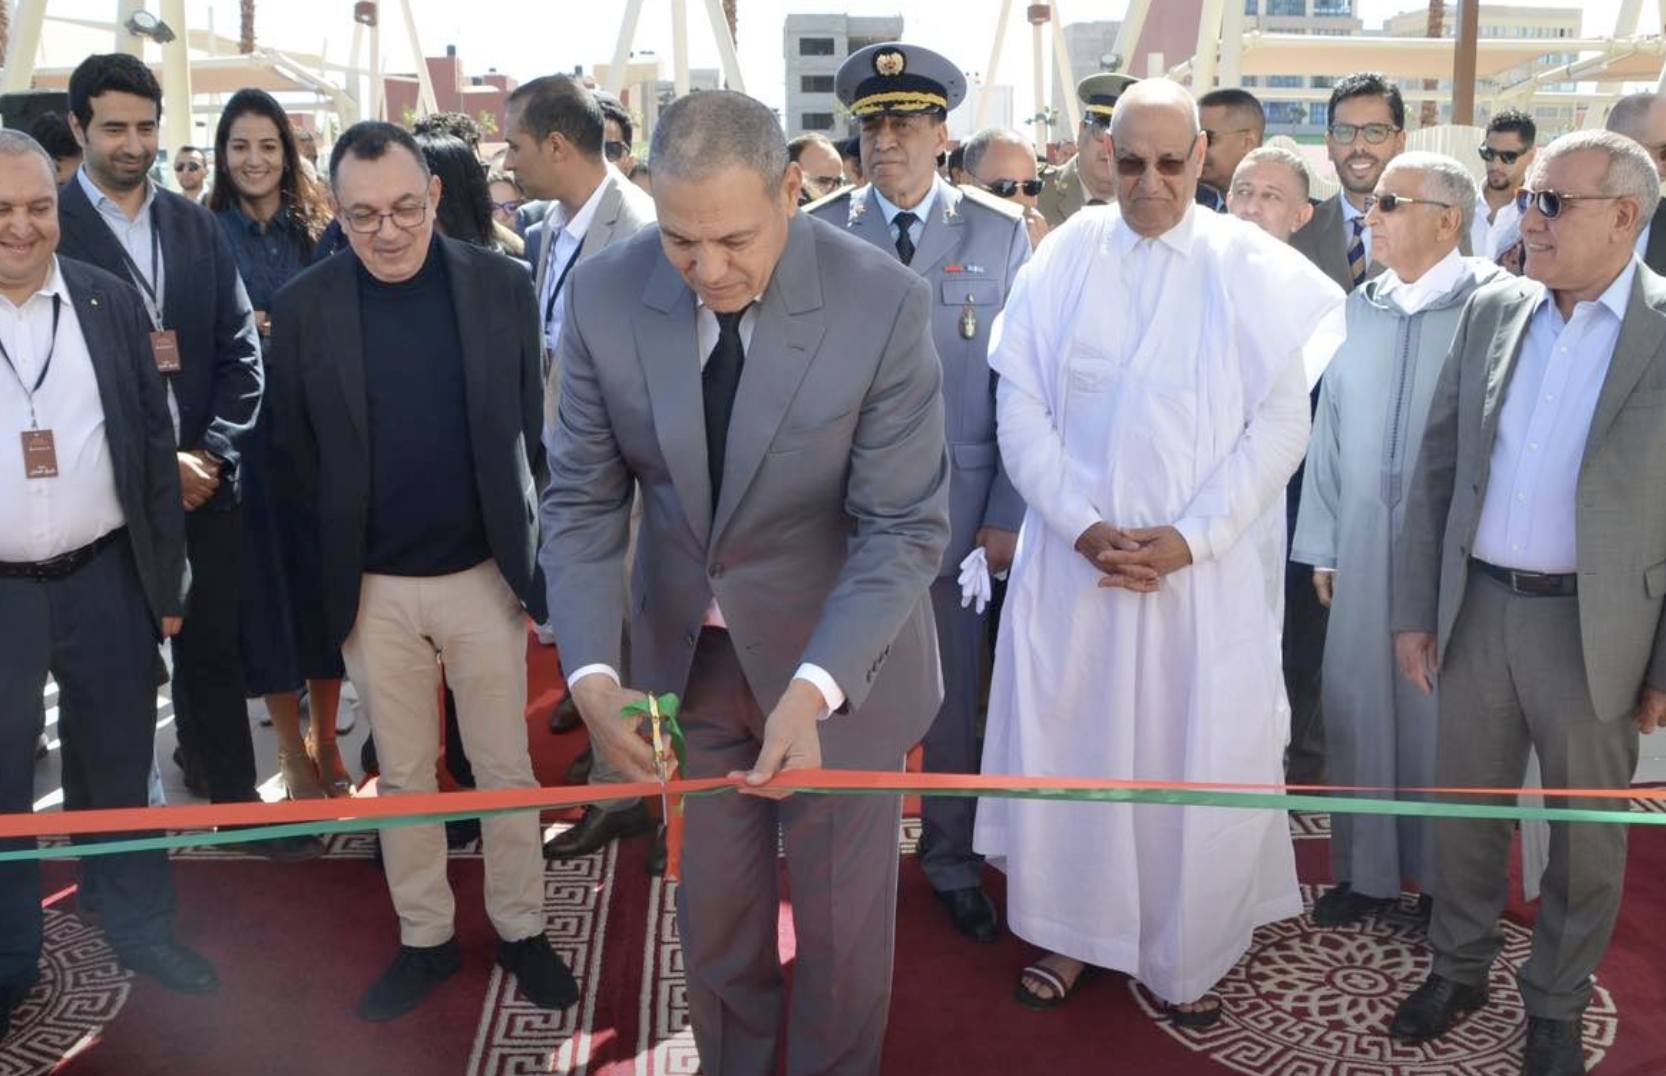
{"x":974,"y":581}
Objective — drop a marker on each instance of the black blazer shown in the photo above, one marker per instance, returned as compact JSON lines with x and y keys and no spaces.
{"x":218,"y":385}
{"x":1654,"y":254}
{"x":320,"y":454}
{"x":136,"y":424}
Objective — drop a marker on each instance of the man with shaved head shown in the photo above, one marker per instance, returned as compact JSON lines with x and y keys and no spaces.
{"x":1641,"y":117}
{"x":92,"y":569}
{"x":1150,"y":414}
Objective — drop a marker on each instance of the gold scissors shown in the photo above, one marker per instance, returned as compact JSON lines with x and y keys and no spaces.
{"x":656,"y":722}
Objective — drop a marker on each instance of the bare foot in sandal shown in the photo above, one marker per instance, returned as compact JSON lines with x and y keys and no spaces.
{"x":1048,"y":982}
{"x":1204,"y":1012}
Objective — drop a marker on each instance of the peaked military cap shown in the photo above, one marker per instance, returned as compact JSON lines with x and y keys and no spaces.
{"x":898,"y":78}
{"x":1099,"y":93}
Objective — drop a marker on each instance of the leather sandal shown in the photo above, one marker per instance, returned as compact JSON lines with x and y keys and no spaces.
{"x":1060,"y":990}
{"x":1195,"y":1019}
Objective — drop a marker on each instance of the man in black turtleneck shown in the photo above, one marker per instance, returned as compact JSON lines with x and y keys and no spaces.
{"x":406,"y":440}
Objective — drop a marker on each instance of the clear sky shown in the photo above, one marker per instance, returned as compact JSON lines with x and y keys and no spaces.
{"x":531,"y":37}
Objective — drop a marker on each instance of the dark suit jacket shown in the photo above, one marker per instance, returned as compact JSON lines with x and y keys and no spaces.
{"x":218,"y":386}
{"x":320,"y":451}
{"x":136,"y":424}
{"x":1324,"y":240}
{"x":1654,"y":254}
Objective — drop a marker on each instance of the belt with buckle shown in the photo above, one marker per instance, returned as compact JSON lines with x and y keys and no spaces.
{"x":1532,"y":584}
{"x":63,"y":565}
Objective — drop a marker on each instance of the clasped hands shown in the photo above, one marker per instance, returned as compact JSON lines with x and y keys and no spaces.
{"x":199,"y":477}
{"x":1134,"y":558}
{"x":792,"y":740}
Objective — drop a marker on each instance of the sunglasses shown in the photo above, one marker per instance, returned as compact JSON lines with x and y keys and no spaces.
{"x":1508,"y":156}
{"x":1215,"y":136}
{"x":187,"y":166}
{"x":1389,"y":202}
{"x":1551,"y":203}
{"x":613,"y":151}
{"x":1375,"y":133}
{"x":1006,"y":188}
{"x":1131,"y":167}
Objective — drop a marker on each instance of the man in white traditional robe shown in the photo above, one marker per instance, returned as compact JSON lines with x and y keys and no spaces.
{"x":1153,"y":403}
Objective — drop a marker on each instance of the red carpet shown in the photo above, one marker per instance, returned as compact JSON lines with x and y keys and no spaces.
{"x":297,"y":945}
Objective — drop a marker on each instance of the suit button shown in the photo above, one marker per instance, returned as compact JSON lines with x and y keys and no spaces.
{"x":716,"y":571}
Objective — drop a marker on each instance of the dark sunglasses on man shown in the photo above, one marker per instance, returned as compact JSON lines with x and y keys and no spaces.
{"x":1007,"y":188}
{"x":1550,"y":204}
{"x":614,"y":151}
{"x":187,"y":166}
{"x":1375,"y":133}
{"x":1131,"y":167}
{"x":1508,"y":156}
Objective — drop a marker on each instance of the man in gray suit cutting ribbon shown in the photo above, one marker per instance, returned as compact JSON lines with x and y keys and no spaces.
{"x":1533,"y":574}
{"x":771,"y":385}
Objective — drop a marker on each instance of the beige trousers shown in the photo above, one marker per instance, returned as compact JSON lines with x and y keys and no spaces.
{"x":474,"y":623}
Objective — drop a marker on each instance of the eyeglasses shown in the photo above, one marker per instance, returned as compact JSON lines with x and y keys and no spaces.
{"x":369,"y":221}
{"x":614,"y":151}
{"x":1388,"y":202}
{"x":502,"y":207}
{"x":1508,"y":156}
{"x":1375,"y":133}
{"x":187,"y":166}
{"x":1215,"y":136}
{"x":1551,"y":203}
{"x":1007,"y":188}
{"x":1131,"y":167}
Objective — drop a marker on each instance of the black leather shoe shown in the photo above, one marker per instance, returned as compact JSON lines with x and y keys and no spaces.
{"x":656,"y":854}
{"x":566,"y":717}
{"x":1553,"y":1048}
{"x":578,"y":770}
{"x":972,"y":911}
{"x":172,"y":965}
{"x":412,"y":976}
{"x":1341,"y":906}
{"x":460,"y":831}
{"x":1433,"y":1008}
{"x":596,"y":828}
{"x":195,"y":782}
{"x":544,"y":977}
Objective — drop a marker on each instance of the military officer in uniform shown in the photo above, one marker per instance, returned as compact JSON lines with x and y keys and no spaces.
{"x":1089,"y":178}
{"x":968,"y":245}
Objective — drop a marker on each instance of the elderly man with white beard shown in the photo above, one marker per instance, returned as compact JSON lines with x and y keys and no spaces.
{"x":1151,"y":414}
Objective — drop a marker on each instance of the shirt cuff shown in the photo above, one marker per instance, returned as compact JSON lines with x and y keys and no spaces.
{"x":1195,"y":532}
{"x":823,"y":681}
{"x":592,"y":670}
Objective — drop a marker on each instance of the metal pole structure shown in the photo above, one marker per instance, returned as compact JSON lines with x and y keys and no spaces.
{"x":622,"y":48}
{"x":426,"y":102}
{"x":1232,"y":45}
{"x":1038,"y":16}
{"x":22,"y":46}
{"x":178,"y":127}
{"x":1128,"y":34}
{"x":986,"y":94}
{"x":679,"y":46}
{"x":355,"y":75}
{"x":725,"y":45}
{"x":1205,"y":58}
{"x":378,"y":82}
{"x":126,"y":40}
{"x":1625,"y":22}
{"x":1066,"y":76}
{"x":1463,"y":63}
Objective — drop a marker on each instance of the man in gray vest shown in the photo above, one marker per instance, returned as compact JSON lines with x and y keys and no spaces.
{"x":968,"y":245}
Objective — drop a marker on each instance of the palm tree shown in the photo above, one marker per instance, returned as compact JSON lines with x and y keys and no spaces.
{"x":246,"y":36}
{"x":1430,"y":113}
{"x":5,"y":28}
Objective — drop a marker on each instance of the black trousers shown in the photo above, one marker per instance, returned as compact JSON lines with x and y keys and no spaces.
{"x":209,"y":701}
{"x":1305,"y":621}
{"x":93,"y":632}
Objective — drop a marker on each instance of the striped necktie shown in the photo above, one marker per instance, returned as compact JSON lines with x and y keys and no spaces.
{"x":1356,"y":252}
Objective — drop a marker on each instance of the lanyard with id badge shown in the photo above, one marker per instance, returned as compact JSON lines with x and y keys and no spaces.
{"x":40,"y":455}
{"x":164,"y":343}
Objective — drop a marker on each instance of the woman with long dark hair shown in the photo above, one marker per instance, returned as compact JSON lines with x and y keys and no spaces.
{"x":273,"y":215}
{"x":465,"y":211}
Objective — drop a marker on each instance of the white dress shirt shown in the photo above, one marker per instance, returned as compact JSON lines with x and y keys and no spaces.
{"x":134,"y":235}
{"x":706,"y":333}
{"x":1435,"y":282}
{"x":1529,"y":518}
{"x":922,"y":211}
{"x":1490,"y":238}
{"x":562,"y":239}
{"x":1349,"y":215}
{"x":47,"y":517}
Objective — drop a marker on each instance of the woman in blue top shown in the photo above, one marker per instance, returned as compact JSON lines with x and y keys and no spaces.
{"x":273,"y":215}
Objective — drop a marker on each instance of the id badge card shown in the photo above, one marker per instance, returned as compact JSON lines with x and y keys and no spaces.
{"x":164,"y":347}
{"x":40,"y":455}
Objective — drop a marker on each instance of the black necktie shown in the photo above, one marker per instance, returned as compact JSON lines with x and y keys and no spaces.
{"x":1096,"y":201}
{"x":718,"y":381}
{"x":905,"y":242}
